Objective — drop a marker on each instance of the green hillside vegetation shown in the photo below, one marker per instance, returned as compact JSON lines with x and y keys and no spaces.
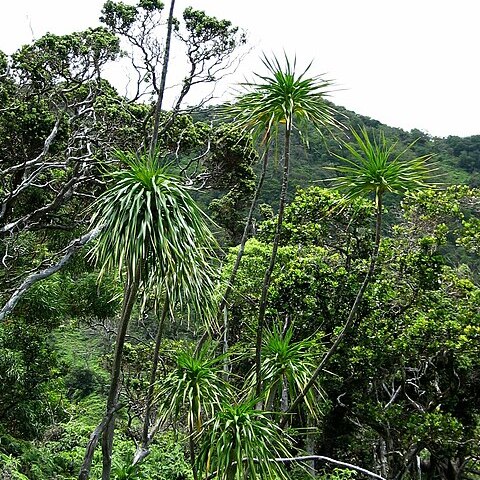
{"x":456,"y":158}
{"x":330,"y":329}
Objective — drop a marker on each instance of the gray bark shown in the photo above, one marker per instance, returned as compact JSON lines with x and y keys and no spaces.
{"x":67,"y":254}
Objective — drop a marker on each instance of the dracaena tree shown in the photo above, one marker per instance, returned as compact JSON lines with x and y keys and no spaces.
{"x":376,"y":167}
{"x":372,"y":168}
{"x":273,"y":106}
{"x":153,"y":234}
{"x":197,"y":388}
{"x":241,"y":442}
{"x":286,"y":368}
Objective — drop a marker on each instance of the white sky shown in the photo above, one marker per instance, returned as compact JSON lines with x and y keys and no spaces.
{"x":409,"y":64}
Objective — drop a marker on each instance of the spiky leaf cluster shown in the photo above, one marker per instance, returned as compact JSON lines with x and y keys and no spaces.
{"x":289,"y":361}
{"x":376,"y":166}
{"x":196,"y":386}
{"x":153,"y":229}
{"x":242,"y":442}
{"x":282,"y":96}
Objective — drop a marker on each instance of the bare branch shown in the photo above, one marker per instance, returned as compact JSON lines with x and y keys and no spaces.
{"x":319,"y":458}
{"x":67,"y":252}
{"x":39,"y":158}
{"x":393,"y":398}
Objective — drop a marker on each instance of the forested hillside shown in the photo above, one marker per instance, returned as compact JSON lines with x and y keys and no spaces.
{"x":457,"y":158}
{"x":319,"y":318}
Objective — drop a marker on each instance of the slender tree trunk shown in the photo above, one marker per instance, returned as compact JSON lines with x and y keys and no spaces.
{"x":310,"y":445}
{"x":92,"y":443}
{"x":351,"y":315}
{"x":140,"y":455}
{"x":226,"y":363}
{"x":131,"y":289}
{"x":382,"y":459}
{"x":241,"y":248}
{"x":191,"y":444}
{"x":163,"y":80}
{"x":248,"y":224}
{"x":284,"y":402}
{"x":273,"y":258}
{"x":269,"y":403}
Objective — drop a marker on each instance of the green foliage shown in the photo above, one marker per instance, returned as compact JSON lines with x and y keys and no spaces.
{"x":196,"y":386}
{"x":9,"y":468}
{"x":90,"y":298}
{"x":45,"y":302}
{"x":231,"y":159}
{"x":325,"y":243}
{"x":323,"y":150}
{"x":240,"y":442}
{"x":305,"y":287}
{"x":81,"y":382}
{"x":471,"y":235}
{"x":339,"y":474}
{"x":286,"y":369}
{"x":416,"y":329}
{"x":60,"y":454}
{"x":446,"y":220}
{"x":120,"y":123}
{"x":152,"y":227}
{"x":27,"y":372}
{"x":467,"y":150}
{"x":282,"y":96}
{"x":407,"y":375}
{"x":229,"y":167}
{"x":54,"y":58}
{"x":167,"y":459}
{"x":377,"y":168}
{"x":208,"y":36}
{"x":418,"y":342}
{"x":118,"y":15}
{"x":320,"y":217}
{"x":3,"y":63}
{"x":127,"y":472}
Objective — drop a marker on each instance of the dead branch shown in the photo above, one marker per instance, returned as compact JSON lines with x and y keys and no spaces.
{"x":319,"y":458}
{"x":67,"y":252}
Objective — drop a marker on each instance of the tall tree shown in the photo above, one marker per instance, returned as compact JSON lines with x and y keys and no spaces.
{"x":197,"y":386}
{"x":282,"y":97}
{"x":209,"y":45}
{"x":156,"y":237}
{"x":53,"y":108}
{"x":163,"y":79}
{"x":241,"y":442}
{"x":374,"y":167}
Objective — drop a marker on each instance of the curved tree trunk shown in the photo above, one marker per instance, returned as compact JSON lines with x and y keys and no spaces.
{"x":273,"y":258}
{"x":191,"y":444}
{"x":131,"y":290}
{"x":92,"y":443}
{"x":241,"y":249}
{"x":38,"y":275}
{"x":248,"y":225}
{"x":351,"y":315}
{"x":143,"y":451}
